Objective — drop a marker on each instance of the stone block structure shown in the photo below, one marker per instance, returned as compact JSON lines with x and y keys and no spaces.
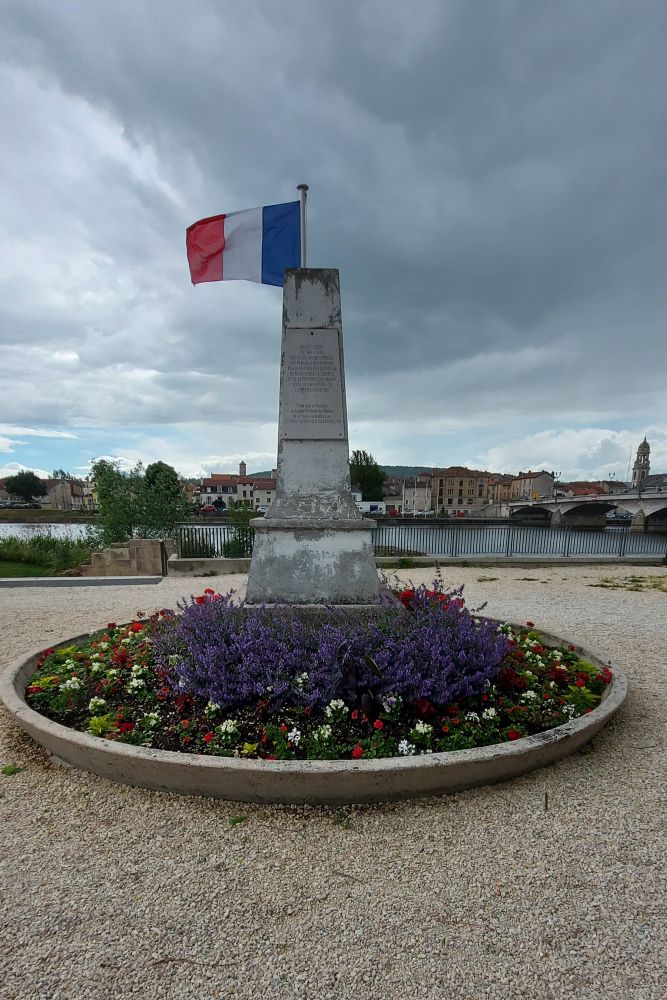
{"x":137,"y":557}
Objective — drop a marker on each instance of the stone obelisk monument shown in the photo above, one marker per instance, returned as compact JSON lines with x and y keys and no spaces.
{"x":313,"y":546}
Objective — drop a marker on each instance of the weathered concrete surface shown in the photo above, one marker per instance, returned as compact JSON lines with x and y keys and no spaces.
{"x":313,"y":546}
{"x":313,"y":561}
{"x":318,"y":782}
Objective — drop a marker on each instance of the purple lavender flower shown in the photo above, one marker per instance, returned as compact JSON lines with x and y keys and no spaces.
{"x":222,"y":653}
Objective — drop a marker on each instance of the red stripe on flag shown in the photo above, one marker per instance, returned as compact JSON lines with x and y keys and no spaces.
{"x":205,"y":241}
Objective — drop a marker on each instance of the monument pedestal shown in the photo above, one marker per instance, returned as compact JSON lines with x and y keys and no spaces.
{"x":313,"y":546}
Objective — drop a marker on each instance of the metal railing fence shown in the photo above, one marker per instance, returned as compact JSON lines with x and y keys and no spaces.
{"x":451,"y":540}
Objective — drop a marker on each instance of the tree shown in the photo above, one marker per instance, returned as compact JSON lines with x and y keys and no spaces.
{"x":62,"y":474}
{"x":26,"y":485}
{"x":118,"y":498}
{"x":163,"y":502}
{"x":366,"y":475}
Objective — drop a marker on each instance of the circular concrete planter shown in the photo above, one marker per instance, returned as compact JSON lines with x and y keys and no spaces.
{"x":320,"y":782}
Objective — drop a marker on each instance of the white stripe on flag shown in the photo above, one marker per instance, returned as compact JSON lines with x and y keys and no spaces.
{"x":242,"y":256}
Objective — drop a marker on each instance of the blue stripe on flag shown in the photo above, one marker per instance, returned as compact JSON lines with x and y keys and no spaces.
{"x":281,"y":241}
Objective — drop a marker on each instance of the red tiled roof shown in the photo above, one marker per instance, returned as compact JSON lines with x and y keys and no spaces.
{"x":264,"y":484}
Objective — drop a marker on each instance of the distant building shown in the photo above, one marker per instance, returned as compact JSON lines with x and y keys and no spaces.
{"x":457,"y":490}
{"x":642,"y":466}
{"x":417,"y":495}
{"x":531,"y":485}
{"x":230,"y":489}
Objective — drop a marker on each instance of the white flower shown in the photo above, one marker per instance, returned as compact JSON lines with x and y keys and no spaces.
{"x":112,"y":674}
{"x":568,"y":710}
{"x":174,"y":659}
{"x":150,"y":719}
{"x":489,"y":713}
{"x":322,"y":733}
{"x":530,"y":694}
{"x":104,"y":645}
{"x":136,"y":670}
{"x":96,"y":705}
{"x":527,"y":673}
{"x":135,"y":684}
{"x":95,"y":656}
{"x":211,"y":708}
{"x":301,"y":680}
{"x":552,"y":684}
{"x":389,"y":703}
{"x":335,"y":707}
{"x":73,"y":684}
{"x":294,"y":736}
{"x":471,"y":717}
{"x":423,"y":728}
{"x":406,"y":749}
{"x":228,"y":726}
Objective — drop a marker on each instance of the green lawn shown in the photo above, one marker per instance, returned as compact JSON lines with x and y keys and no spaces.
{"x":8,"y":568}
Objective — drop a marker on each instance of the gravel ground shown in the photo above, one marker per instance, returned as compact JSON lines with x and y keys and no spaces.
{"x":112,"y":892}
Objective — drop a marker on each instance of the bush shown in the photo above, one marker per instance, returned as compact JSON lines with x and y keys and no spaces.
{"x":217,"y":651}
{"x":57,"y":554}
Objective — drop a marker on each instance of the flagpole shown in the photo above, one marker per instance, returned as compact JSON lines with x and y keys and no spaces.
{"x":302,"y":188}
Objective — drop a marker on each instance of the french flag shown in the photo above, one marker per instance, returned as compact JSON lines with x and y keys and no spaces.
{"x":254,"y":245}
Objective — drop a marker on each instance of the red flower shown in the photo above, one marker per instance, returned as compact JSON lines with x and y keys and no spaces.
{"x":358,"y":751}
{"x":378,"y":724}
{"x":200,"y":600}
{"x":185,"y":723}
{"x":34,"y":689}
{"x":187,"y":739}
{"x":111,"y":625}
{"x":445,"y":729}
{"x":354,"y":714}
{"x":270,"y":756}
{"x":455,"y":722}
{"x":208,"y":737}
{"x":136,"y":626}
{"x":572,"y":648}
{"x":580,"y":683}
{"x":514,"y":734}
{"x":406,"y":597}
{"x":126,"y":727}
{"x":209,"y":590}
{"x":424,"y":708}
{"x":530,"y":624}
{"x":283,"y":728}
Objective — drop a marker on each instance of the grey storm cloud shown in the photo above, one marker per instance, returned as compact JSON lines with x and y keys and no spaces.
{"x":489,"y":178}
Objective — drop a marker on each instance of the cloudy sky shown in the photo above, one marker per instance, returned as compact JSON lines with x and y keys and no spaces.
{"x":490,"y":179}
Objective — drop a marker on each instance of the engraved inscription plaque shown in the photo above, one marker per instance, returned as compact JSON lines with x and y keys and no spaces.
{"x":312,"y":387}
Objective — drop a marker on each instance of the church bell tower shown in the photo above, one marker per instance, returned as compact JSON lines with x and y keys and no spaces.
{"x":640,"y":469}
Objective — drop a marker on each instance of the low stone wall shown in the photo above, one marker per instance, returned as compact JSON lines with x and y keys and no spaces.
{"x":138,"y":557}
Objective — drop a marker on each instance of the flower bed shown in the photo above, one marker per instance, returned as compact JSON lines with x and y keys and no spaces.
{"x":214,"y":679}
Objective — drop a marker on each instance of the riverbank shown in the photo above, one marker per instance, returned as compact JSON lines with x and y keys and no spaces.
{"x":47,"y":516}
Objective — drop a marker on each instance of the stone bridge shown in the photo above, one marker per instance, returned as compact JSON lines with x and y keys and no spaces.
{"x":648,"y":510}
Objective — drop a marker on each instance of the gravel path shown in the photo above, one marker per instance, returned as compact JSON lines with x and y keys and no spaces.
{"x":113,"y":892}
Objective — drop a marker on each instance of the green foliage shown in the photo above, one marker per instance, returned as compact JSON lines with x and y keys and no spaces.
{"x":25,"y":485}
{"x":137,"y":503}
{"x":100,"y":725}
{"x":366,"y":475}
{"x":9,"y":769}
{"x":163,"y":502}
{"x":118,"y":498}
{"x":45,"y":551}
{"x":239,"y":545}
